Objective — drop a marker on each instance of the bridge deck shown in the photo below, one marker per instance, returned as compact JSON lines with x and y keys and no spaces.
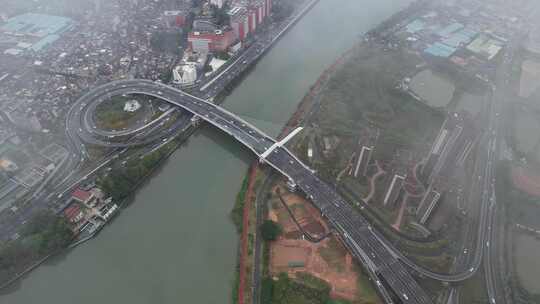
{"x":366,"y":245}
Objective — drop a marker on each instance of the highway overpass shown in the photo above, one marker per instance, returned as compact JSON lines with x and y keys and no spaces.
{"x":386,"y":265}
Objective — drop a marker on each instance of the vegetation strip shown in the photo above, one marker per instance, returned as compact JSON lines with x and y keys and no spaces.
{"x":244,"y":241}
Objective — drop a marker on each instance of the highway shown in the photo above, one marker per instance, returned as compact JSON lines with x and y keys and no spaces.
{"x":385,"y":262}
{"x":366,"y":245}
{"x":73,"y":171}
{"x":495,"y":285}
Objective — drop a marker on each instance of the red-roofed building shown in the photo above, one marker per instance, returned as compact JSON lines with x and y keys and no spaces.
{"x":73,"y":213}
{"x":84,"y":197}
{"x":217,"y":41}
{"x":246,"y":16}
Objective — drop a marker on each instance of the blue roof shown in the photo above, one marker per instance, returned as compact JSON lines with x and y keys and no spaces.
{"x":45,"y":27}
{"x":440,"y":50}
{"x":415,"y":26}
{"x":44,"y":42}
{"x":31,"y":23}
{"x":449,"y":29}
{"x":458,"y":38}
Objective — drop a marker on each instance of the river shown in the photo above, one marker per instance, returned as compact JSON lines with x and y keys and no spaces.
{"x":175,"y":243}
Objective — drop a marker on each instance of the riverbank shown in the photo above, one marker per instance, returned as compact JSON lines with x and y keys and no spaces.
{"x":298,"y":13}
{"x":176,"y":241}
{"x":247,"y":193}
{"x":310,"y":103}
{"x":178,"y":141}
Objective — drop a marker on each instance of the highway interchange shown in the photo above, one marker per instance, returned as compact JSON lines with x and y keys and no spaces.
{"x":74,"y":170}
{"x":370,"y":247}
{"x":365,"y":244}
{"x":385,"y":263}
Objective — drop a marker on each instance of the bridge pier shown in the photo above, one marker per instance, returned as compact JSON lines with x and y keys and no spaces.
{"x":291,"y":185}
{"x":195,"y":120}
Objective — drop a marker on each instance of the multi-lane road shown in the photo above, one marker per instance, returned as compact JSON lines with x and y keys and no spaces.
{"x":385,"y":263}
{"x":493,"y":268}
{"x":368,"y":246}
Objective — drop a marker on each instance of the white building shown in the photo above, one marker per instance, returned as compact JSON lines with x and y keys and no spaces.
{"x":185,"y":74}
{"x":132,"y":106}
{"x":218,"y":3}
{"x":8,"y":165}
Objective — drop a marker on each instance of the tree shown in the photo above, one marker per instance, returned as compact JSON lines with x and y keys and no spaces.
{"x":270,"y":230}
{"x":221,"y":14}
{"x":267,"y":288}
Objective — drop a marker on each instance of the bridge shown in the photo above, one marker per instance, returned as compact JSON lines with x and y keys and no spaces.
{"x":384,"y":263}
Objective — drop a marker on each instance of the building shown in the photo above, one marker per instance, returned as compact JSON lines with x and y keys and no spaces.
{"x":533,"y":42}
{"x":216,"y":41}
{"x":84,"y":197}
{"x":363,"y":161}
{"x":7,"y":165}
{"x":247,"y":16}
{"x":176,"y":18}
{"x":427,"y":205}
{"x":132,"y":106}
{"x":218,"y":3}
{"x":485,"y":46}
{"x":204,"y":25}
{"x":33,"y":32}
{"x":239,"y":22}
{"x":530,"y":78}
{"x":441,"y":144}
{"x":394,"y":190}
{"x":456,"y":139}
{"x":185,"y":74}
{"x":73,"y":213}
{"x":445,"y":149}
{"x":451,"y":149}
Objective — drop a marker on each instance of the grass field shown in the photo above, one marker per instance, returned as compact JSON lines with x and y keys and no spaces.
{"x":110,"y":115}
{"x":363,"y":94}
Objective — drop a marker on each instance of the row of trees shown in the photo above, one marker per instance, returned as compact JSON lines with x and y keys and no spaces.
{"x":120,"y":182}
{"x":44,"y":234}
{"x":306,"y":290}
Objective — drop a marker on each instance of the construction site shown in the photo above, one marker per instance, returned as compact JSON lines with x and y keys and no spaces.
{"x":308,"y":246}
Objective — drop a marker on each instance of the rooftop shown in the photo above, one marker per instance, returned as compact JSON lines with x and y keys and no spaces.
{"x":38,"y":25}
{"x":34,"y":31}
{"x":81,"y":195}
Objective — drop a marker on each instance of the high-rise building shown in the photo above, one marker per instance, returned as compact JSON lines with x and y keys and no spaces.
{"x":428,"y":204}
{"x":218,"y":3}
{"x":175,"y":18}
{"x":394,"y":190}
{"x":239,"y":22}
{"x":363,"y":161}
{"x":246,"y":16}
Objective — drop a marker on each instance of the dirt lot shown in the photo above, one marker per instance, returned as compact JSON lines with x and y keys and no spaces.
{"x":327,"y":260}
